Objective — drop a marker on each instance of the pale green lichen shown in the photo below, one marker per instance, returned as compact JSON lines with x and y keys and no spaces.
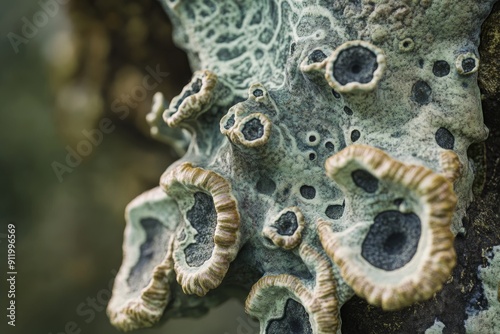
{"x":488,"y":320}
{"x":263,"y":120}
{"x":437,"y":328}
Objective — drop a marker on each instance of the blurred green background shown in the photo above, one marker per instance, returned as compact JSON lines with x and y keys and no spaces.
{"x":56,"y":82}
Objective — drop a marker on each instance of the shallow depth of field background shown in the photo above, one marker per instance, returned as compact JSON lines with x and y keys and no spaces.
{"x":60,"y":82}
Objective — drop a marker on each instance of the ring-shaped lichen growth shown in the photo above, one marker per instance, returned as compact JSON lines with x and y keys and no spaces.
{"x":195,"y":99}
{"x":288,"y":304}
{"x":147,"y":309}
{"x":420,"y":235}
{"x":203,"y":196}
{"x":355,"y":67}
{"x":286,"y":230}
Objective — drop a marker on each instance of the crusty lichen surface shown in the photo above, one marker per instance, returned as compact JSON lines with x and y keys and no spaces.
{"x":327,"y":158}
{"x":488,"y":321}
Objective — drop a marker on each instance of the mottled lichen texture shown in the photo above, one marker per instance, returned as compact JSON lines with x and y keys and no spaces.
{"x":488,"y":321}
{"x":327,"y":158}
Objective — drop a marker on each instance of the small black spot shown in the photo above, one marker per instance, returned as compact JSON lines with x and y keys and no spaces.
{"x":335,"y":211}
{"x":308,"y":192}
{"x":229,"y":123}
{"x":406,"y":44}
{"x":312,"y":156}
{"x":355,"y":134}
{"x":421,"y":92}
{"x":441,"y":68}
{"x":292,"y":49}
{"x":259,"y":53}
{"x":465,"y":85}
{"x":392,"y":240}
{"x":226,"y":38}
{"x":421,"y":63}
{"x":398,"y":201}
{"x":348,"y":110}
{"x":266,"y":186}
{"x":335,"y":94}
{"x":365,"y":180}
{"x":287,"y":223}
{"x":253,"y":129}
{"x":258,"y":93}
{"x":312,"y":138}
{"x":317,"y":56}
{"x":355,"y":64}
{"x":329,"y":145}
{"x":445,"y":139}
{"x":468,"y":64}
{"x":295,"y":320}
{"x":203,"y":218}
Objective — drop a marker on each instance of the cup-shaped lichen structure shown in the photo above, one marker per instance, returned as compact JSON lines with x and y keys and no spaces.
{"x":327,"y":157}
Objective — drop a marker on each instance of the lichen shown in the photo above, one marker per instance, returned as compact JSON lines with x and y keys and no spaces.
{"x":488,"y":321}
{"x":437,"y":328}
{"x":327,"y":157}
{"x":392,"y":258}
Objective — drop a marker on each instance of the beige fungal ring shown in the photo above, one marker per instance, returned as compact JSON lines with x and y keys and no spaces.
{"x":186,"y":181}
{"x":245,"y":127}
{"x":430,"y":265}
{"x":355,"y":67}
{"x":286,"y":230}
{"x":252,"y":131}
{"x":406,"y":45}
{"x":467,"y":63}
{"x":280,"y":289}
{"x":320,"y":303}
{"x":258,"y":93}
{"x":195,"y":99}
{"x":312,"y":138}
{"x":147,"y":309}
